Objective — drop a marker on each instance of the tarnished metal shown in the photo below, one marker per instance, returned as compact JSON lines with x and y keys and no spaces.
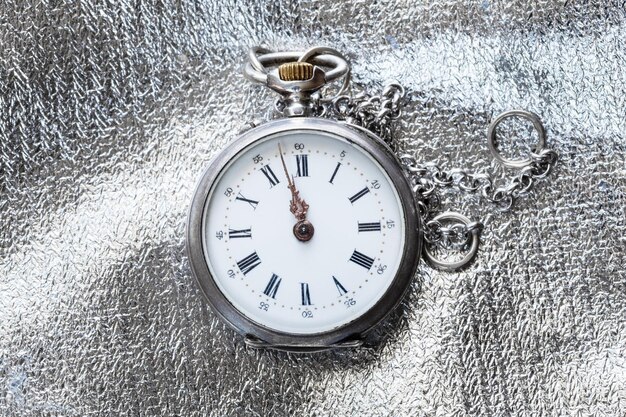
{"x":111,"y":109}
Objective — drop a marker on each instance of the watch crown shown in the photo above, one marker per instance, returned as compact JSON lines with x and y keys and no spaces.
{"x":295,"y":71}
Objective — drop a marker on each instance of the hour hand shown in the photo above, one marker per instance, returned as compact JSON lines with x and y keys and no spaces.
{"x":297,"y":206}
{"x":303,"y":229}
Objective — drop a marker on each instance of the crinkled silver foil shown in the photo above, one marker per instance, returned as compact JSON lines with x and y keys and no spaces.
{"x":109,"y":112}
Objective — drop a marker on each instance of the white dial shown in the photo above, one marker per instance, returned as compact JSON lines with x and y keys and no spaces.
{"x":282,"y":281}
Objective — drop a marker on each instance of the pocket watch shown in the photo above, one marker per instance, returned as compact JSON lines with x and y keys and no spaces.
{"x":305,"y":232}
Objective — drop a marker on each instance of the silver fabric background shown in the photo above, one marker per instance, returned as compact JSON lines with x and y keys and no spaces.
{"x":109,"y":111}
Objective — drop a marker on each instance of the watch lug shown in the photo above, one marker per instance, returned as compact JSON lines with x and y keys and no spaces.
{"x":347,"y":344}
{"x":256,"y":343}
{"x":251,"y":124}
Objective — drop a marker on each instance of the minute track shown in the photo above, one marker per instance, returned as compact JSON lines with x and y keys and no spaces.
{"x":341,"y":282}
{"x":314,"y":283}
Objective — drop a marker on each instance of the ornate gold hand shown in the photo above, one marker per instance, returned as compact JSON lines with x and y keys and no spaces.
{"x":303,"y":229}
{"x":298,"y":206}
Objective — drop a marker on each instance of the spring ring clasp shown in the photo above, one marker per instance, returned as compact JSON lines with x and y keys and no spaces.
{"x":474,"y":241}
{"x":491,"y":138}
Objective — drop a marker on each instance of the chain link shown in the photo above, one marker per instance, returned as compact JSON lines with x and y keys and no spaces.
{"x":455,"y":236}
{"x":377,"y":112}
{"x":373,"y":112}
{"x":428,"y":177}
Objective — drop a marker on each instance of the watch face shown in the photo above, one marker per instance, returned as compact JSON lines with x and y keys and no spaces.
{"x":352,"y":249}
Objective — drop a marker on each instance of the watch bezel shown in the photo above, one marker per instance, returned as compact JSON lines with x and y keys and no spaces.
{"x":384,"y":306}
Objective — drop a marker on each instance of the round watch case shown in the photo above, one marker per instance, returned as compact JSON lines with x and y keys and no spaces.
{"x":351,"y":333}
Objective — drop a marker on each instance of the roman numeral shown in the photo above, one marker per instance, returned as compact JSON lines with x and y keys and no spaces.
{"x":248,"y":263}
{"x":272,"y":286}
{"x":252,"y":203}
{"x":362,"y":260}
{"x":369,"y":227}
{"x":236,"y":234}
{"x":359,"y":195}
{"x":332,"y":178}
{"x":342,"y":290}
{"x":306,"y":296}
{"x":302,"y":163}
{"x":269,"y":174}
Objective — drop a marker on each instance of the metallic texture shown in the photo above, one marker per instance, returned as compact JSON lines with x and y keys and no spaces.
{"x":374,"y":112}
{"x":257,"y":69}
{"x":111,"y":110}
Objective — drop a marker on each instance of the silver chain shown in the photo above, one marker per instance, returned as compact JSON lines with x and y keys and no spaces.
{"x":429,"y":176}
{"x":377,"y":112}
{"x":373,"y":112}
